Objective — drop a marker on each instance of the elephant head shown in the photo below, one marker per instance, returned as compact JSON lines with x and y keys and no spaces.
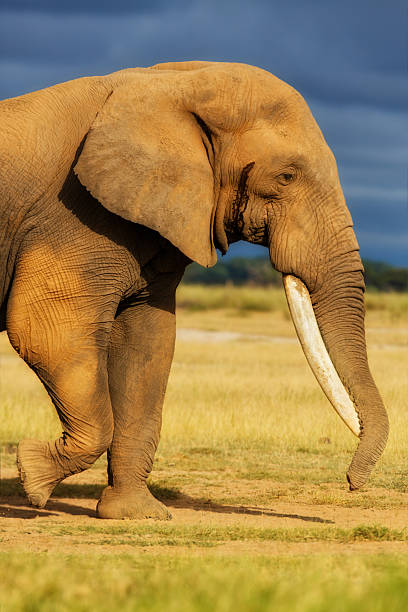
{"x":211,"y":153}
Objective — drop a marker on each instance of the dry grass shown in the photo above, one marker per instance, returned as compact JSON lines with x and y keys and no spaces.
{"x":387,"y":307}
{"x":246,"y":394}
{"x":244,"y":423}
{"x":197,"y":298}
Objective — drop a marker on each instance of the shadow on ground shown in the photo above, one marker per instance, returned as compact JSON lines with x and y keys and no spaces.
{"x":185,"y":501}
{"x":17,"y":507}
{"x":14,"y":505}
{"x":12,"y":487}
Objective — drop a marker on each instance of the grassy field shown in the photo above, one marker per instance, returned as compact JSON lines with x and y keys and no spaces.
{"x":252,"y":464}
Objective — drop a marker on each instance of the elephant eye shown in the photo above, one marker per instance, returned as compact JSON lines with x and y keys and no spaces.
{"x":286,"y":177}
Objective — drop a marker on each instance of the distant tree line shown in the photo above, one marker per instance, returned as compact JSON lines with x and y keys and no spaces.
{"x":384,"y":277}
{"x":258,"y":271}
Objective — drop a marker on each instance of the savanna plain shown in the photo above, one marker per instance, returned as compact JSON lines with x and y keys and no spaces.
{"x":252,"y":464}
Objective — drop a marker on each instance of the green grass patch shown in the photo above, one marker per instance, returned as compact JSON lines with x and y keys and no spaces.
{"x":161,"y":534}
{"x":340,"y":583}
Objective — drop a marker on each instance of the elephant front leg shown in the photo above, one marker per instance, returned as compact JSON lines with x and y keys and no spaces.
{"x":140,"y":356}
{"x":79,"y":390}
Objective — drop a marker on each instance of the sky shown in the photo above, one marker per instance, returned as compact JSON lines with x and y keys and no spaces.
{"x":347,"y":58}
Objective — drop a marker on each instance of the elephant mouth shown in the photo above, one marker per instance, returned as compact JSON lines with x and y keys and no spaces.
{"x":313,"y":346}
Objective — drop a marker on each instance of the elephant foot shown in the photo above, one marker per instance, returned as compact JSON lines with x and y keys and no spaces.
{"x":134,"y":504}
{"x":38,"y":473}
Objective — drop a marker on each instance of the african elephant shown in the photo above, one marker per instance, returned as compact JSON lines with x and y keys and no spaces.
{"x":110,"y":186}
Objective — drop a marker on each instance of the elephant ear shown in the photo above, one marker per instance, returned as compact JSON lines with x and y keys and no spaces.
{"x":144,"y":159}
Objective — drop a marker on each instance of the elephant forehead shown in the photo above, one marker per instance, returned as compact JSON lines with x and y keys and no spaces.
{"x":289,"y":117}
{"x":267,"y":143}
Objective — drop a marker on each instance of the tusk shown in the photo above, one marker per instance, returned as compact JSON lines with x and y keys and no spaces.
{"x":308,"y":332}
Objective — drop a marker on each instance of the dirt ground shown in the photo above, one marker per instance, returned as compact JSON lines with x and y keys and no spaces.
{"x":23,"y":527}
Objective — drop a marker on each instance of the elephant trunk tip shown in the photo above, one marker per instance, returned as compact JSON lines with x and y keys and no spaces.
{"x":353,"y":486}
{"x":366,"y":456}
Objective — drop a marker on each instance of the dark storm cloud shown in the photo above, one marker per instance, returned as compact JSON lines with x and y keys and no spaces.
{"x":332,"y":52}
{"x":89,"y":7}
{"x":347,"y":59}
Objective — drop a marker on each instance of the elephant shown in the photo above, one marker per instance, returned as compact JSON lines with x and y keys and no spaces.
{"x":110,"y":186}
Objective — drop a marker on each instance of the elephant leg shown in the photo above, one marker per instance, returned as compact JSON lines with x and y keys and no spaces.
{"x":70,"y":358}
{"x":80,"y":393}
{"x":140,"y":356}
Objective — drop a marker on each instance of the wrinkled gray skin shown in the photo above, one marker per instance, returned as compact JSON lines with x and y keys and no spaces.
{"x":109,"y":187}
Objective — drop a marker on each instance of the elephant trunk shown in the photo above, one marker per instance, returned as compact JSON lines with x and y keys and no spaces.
{"x":338,"y":308}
